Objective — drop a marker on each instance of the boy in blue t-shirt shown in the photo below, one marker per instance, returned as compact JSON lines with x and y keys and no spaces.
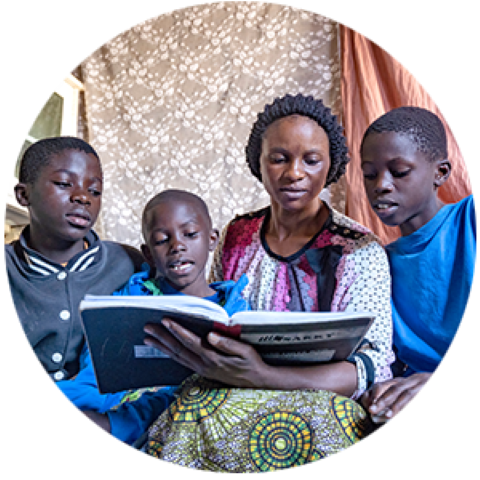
{"x":404,"y":162}
{"x":178,"y":235}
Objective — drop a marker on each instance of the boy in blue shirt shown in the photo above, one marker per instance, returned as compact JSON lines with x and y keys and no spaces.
{"x":178,"y":235}
{"x":404,"y":162}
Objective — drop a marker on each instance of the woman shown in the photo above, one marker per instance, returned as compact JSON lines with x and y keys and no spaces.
{"x":298,"y":254}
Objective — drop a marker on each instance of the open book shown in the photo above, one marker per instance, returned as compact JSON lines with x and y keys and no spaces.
{"x":113,"y":327}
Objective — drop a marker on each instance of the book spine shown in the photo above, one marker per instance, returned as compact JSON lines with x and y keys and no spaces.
{"x":228,"y":330}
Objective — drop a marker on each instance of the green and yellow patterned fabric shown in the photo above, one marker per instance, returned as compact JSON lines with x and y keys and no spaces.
{"x":213,"y":427}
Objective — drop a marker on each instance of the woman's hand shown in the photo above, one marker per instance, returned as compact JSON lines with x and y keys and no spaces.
{"x":238,"y":364}
{"x":384,"y":400}
{"x":223,"y":359}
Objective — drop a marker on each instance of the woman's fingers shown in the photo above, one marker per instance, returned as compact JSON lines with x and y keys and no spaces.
{"x":222,"y":358}
{"x":172,"y":344}
{"x":230,"y":346}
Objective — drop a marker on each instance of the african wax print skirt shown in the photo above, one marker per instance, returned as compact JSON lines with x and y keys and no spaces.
{"x":213,"y":427}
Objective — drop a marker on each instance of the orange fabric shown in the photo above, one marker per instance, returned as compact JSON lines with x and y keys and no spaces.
{"x":373,"y":83}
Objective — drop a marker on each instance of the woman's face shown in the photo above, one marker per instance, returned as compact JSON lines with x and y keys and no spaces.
{"x":294,"y":162}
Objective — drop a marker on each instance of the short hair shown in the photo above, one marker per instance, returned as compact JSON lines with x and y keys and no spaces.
{"x":39,"y":155}
{"x":174,"y":195}
{"x":423,"y":127}
{"x":306,"y":106}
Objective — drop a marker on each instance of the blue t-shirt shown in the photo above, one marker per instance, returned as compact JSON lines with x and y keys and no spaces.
{"x":432,"y":273}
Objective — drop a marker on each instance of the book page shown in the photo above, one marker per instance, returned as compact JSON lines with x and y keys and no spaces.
{"x":186,"y":304}
{"x":260,"y":317}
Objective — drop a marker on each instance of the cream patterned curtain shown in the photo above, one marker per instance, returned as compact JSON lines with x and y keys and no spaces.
{"x":170,"y":103}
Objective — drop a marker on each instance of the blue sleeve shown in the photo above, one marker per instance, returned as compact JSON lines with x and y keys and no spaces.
{"x":233,"y":292}
{"x":135,"y":283}
{"x":473,"y":214}
{"x":82,"y":390}
{"x":131,"y":419}
{"x":85,"y":359}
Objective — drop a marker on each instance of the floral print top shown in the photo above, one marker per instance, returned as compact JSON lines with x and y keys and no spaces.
{"x":342,"y":268}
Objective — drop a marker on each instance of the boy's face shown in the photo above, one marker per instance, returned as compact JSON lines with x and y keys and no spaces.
{"x":400,"y":181}
{"x":178,"y":240}
{"x":65,"y":199}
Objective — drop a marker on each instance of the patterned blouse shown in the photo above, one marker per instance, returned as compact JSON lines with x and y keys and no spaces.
{"x":342,"y":268}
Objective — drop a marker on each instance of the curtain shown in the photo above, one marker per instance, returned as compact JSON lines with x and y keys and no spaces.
{"x":170,"y":103}
{"x":372,"y":83}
